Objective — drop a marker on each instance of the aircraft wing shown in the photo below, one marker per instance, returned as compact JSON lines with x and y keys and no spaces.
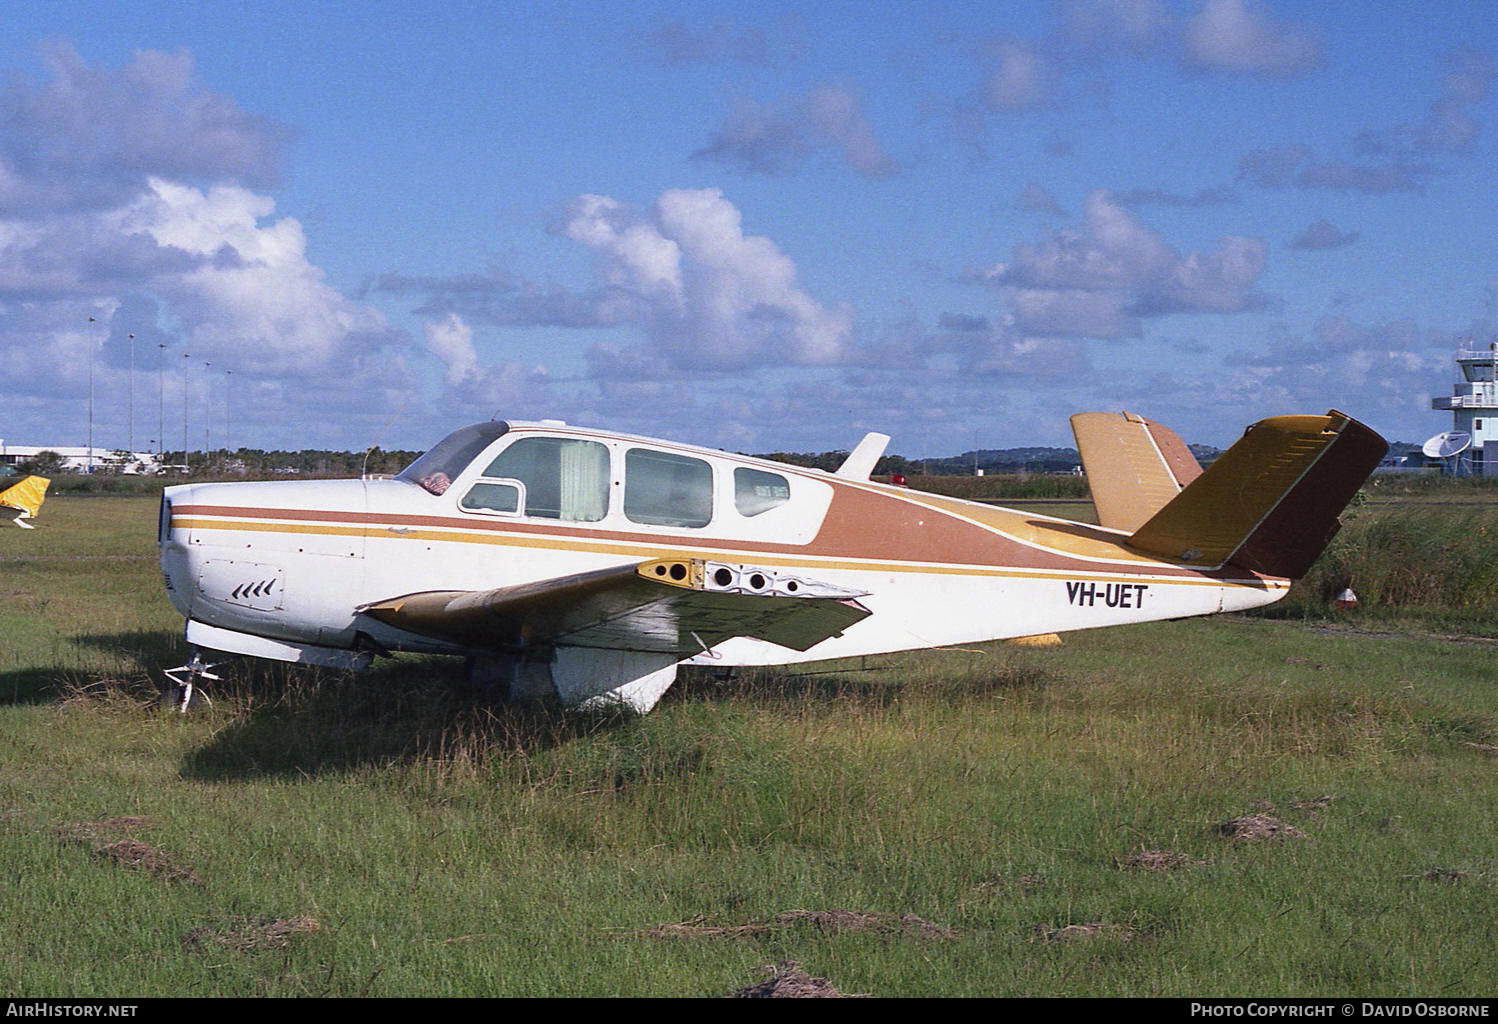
{"x":670,"y":606}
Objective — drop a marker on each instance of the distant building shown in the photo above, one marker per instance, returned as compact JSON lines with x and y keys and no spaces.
{"x":1474,"y":407}
{"x":75,"y":458}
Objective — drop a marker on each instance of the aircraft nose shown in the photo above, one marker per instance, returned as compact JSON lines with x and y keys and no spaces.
{"x":172,"y":537}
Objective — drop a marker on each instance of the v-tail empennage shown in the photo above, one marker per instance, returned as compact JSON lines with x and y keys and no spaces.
{"x":1269,"y":504}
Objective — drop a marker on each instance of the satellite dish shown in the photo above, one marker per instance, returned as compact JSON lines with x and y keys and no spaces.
{"x":1446,"y":444}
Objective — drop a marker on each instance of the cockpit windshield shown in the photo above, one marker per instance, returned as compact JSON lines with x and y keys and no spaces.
{"x":439,"y":467}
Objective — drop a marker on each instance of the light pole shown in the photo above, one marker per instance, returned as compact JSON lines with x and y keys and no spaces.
{"x":207,"y":410}
{"x":130,"y":429}
{"x":160,"y":401}
{"x":90,"y":461}
{"x":228,"y":415}
{"x":186,"y":367}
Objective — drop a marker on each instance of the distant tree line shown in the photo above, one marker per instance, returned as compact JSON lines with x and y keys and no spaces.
{"x":244,"y":462}
{"x":989,"y":460}
{"x":255,"y":463}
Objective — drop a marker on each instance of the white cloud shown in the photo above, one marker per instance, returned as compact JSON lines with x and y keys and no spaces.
{"x":1023,"y":80}
{"x":1099,"y":281}
{"x":1242,"y":36}
{"x":836,"y":114}
{"x":252,"y":296}
{"x":1323,"y":234}
{"x":1039,"y":198}
{"x":777,"y":140}
{"x":88,"y":136}
{"x":707,"y":295}
{"x":451,"y":340}
{"x":1133,"y":26}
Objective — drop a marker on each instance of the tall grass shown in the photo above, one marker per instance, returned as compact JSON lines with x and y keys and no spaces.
{"x":1433,"y":562}
{"x":998,"y":486}
{"x":445,"y":843}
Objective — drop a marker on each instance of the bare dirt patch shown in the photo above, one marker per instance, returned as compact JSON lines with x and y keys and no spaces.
{"x":1023,"y":883}
{"x":698,"y":928}
{"x":132,"y":853}
{"x":99,"y":831}
{"x":1443,"y":875}
{"x":788,"y":981}
{"x":1320,"y":803}
{"x":114,"y":840}
{"x":830,"y":921}
{"x":250,"y":934}
{"x":1161,"y":860}
{"x":1084,"y":932}
{"x":1252,"y":828}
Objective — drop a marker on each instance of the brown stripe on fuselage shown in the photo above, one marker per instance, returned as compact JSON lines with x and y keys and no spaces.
{"x":865,"y":522}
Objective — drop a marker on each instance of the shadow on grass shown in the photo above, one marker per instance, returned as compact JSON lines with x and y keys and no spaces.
{"x":277,"y":719}
{"x":145,"y":653}
{"x":294,"y":720}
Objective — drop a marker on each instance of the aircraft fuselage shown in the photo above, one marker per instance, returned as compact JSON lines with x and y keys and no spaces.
{"x":287,"y":569}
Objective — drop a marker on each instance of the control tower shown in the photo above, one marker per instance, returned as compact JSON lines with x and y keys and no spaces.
{"x":1474,"y":406}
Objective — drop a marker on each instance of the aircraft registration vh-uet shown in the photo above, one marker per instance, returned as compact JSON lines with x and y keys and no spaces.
{"x":587,"y":565}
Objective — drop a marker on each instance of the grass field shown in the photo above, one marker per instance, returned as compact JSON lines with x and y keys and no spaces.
{"x":995,"y":821}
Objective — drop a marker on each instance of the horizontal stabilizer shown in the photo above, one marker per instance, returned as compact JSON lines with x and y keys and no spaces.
{"x":678,"y":606}
{"x":1270,"y":503}
{"x":1134,"y":467}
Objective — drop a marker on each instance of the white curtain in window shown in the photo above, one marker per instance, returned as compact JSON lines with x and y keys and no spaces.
{"x":584,"y":478}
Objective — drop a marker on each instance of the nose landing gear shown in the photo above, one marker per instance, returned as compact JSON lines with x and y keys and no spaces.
{"x":184,"y":686}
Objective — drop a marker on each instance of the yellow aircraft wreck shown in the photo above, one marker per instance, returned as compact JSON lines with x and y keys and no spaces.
{"x":21,"y":500}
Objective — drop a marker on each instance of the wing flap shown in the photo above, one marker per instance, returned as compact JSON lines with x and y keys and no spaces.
{"x":669,"y":606}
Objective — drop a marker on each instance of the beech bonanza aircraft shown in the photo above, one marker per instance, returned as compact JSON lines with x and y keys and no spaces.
{"x":588,"y":565}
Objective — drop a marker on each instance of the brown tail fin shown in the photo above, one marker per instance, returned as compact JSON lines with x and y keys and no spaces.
{"x":1134,"y":467}
{"x":1270,"y":503}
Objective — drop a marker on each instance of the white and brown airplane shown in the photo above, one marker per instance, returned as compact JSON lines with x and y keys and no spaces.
{"x":588,"y":565}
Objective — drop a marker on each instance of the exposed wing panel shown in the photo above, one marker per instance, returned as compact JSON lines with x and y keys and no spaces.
{"x":1134,"y":467}
{"x":668,"y":606}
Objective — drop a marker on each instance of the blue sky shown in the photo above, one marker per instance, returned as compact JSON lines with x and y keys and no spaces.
{"x":337,"y":224}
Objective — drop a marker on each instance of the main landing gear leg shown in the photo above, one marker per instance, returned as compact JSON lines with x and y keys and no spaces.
{"x":184,"y":687}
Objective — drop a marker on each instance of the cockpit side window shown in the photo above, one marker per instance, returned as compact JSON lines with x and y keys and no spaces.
{"x":661,"y":489}
{"x":559,"y":478}
{"x":439,"y":467}
{"x":755,"y":491}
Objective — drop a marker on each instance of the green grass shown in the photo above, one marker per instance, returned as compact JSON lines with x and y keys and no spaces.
{"x":446,"y":844}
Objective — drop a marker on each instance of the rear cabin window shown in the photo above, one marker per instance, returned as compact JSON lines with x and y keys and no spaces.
{"x":546,"y":477}
{"x":755,"y":491}
{"x":661,"y":489}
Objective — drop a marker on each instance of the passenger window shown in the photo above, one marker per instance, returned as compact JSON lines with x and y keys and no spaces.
{"x":494,"y":497}
{"x":557,"y":479}
{"x":755,"y":491}
{"x":667,"y":490}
